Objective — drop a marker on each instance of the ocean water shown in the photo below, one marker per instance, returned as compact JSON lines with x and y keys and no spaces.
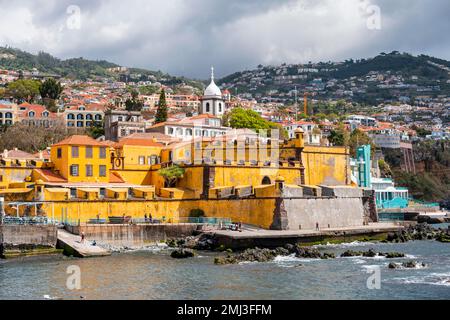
{"x":153,"y":274}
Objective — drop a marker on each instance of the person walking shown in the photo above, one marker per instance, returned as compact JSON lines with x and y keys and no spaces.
{"x":82,"y":237}
{"x":317,"y":226}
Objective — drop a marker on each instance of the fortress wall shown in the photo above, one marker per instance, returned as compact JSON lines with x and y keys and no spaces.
{"x":335,"y":212}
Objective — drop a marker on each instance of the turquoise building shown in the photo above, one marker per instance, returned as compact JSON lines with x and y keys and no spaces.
{"x":388,"y":196}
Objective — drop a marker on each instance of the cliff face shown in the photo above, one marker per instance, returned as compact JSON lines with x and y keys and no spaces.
{"x":432,"y":179}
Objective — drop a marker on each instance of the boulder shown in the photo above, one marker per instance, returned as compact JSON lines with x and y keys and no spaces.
{"x":182,"y":254}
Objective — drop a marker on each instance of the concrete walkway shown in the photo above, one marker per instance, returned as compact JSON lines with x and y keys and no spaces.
{"x":72,"y":244}
{"x":248,"y":233}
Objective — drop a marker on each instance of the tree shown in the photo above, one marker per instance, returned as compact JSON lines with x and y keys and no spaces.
{"x":51,"y":89}
{"x":171,"y":175}
{"x":161,"y":113}
{"x":240,"y":118}
{"x":24,"y":90}
{"x":97,"y":130}
{"x":134,"y":104}
{"x":357,"y":139}
{"x":32,"y":138}
{"x":339,"y":136}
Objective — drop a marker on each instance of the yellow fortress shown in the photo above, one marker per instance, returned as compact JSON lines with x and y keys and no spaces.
{"x":267,"y":183}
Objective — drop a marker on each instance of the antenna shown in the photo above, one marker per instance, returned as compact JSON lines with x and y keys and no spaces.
{"x":296,"y":104}
{"x":212,"y":73}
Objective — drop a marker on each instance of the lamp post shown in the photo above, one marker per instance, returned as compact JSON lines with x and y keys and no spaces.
{"x":2,"y":209}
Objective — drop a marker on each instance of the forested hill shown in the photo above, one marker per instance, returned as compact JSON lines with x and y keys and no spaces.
{"x":77,"y":68}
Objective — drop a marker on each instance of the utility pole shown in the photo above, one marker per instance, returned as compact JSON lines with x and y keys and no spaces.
{"x":296,"y":104}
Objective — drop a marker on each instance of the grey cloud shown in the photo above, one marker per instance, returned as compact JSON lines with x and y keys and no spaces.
{"x":185,"y":37}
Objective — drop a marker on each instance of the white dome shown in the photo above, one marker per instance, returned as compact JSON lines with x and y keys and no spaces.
{"x":212,"y":90}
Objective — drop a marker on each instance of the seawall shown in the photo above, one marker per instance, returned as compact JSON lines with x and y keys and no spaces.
{"x":133,"y":235}
{"x":273,"y":239}
{"x":20,"y":240}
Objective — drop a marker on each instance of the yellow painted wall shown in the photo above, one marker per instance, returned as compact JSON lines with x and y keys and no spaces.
{"x":63,"y":164}
{"x":252,"y":211}
{"x":326,"y":165}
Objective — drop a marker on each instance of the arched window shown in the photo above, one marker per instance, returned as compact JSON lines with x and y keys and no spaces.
{"x":80,"y":117}
{"x":170,"y":130}
{"x":189,"y":132}
{"x":71,"y":116}
{"x":80,"y":124}
{"x":220,"y":107}
{"x":89,"y":117}
{"x":81,"y":108}
{"x":266,"y":181}
{"x":45,"y":114}
{"x":8,"y":115}
{"x":31,"y":114}
{"x":207,"y":107}
{"x":98,"y":117}
{"x":205,"y":133}
{"x":1,"y":115}
{"x":179,"y":132}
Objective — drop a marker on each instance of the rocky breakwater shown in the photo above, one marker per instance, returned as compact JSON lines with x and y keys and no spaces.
{"x":407,"y":265}
{"x":418,"y":232}
{"x":372,"y":254}
{"x":267,"y":255}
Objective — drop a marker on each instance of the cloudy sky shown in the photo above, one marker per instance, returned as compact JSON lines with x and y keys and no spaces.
{"x":186,"y":37}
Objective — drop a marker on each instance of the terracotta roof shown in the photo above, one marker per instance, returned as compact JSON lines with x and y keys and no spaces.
{"x":80,"y":141}
{"x":49,"y":176}
{"x":19,"y":154}
{"x":114,"y":177}
{"x":137,"y":142}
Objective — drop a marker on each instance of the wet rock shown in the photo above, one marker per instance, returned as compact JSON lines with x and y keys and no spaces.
{"x":422,"y":231}
{"x":327,"y":256}
{"x":407,"y":265}
{"x":445,"y":238}
{"x":394,"y":255}
{"x":267,"y":255}
{"x":351,"y":253}
{"x":370,"y":254}
{"x":182,"y":254}
{"x":290,"y":248}
{"x":282,"y":251}
{"x":307,"y":253}
{"x":394,"y":265}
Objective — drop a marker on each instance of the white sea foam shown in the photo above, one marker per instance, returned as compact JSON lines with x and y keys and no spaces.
{"x":435,"y":279}
{"x":359,"y":261}
{"x":345,"y":245}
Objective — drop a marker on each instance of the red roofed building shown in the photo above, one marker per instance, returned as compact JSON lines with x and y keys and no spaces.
{"x":84,"y":116}
{"x":37,"y":115}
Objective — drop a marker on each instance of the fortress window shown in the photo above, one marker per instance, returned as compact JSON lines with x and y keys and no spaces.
{"x":207,"y":107}
{"x":102,"y":171}
{"x":89,"y":152}
{"x":102,"y":153}
{"x":89,"y":171}
{"x":75,"y":152}
{"x":266,"y":181}
{"x":74,"y":170}
{"x":59,"y":153}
